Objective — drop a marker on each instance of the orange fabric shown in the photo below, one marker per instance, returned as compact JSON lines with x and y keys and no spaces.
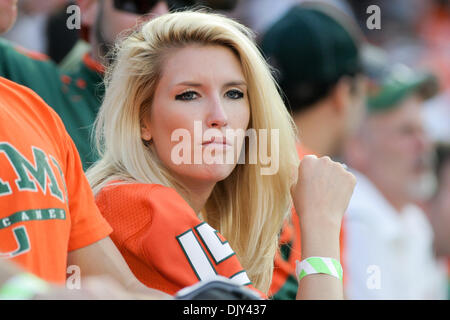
{"x":92,"y":64}
{"x":46,"y":205}
{"x":149,"y":222}
{"x":290,"y":235}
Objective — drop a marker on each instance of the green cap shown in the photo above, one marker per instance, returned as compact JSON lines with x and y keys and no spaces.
{"x":312,"y":46}
{"x":396,"y":84}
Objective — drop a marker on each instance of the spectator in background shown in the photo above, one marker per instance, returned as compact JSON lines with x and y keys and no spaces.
{"x":72,"y":59}
{"x":315,"y":50}
{"x":389,"y":239}
{"x":416,"y":33}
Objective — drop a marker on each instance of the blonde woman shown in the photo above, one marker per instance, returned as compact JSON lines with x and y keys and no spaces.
{"x":181,"y":75}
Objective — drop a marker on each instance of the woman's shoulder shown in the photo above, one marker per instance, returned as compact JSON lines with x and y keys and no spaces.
{"x":131,"y":208}
{"x":129,"y":189}
{"x":119,"y":194}
{"x":123,"y":198}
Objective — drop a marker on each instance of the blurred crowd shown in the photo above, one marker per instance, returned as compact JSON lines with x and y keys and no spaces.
{"x":377,"y":99}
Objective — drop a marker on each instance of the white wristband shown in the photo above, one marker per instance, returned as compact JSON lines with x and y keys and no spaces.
{"x":314,"y":265}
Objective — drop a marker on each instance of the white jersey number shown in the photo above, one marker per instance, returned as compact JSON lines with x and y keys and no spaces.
{"x":218,"y":249}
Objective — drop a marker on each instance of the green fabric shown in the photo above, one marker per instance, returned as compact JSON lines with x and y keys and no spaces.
{"x":76,"y":96}
{"x":285,"y":251}
{"x":308,"y":46}
{"x":289,"y":289}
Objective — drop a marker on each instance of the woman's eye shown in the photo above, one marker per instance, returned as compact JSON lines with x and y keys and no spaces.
{"x":234,"y":94}
{"x":186,"y":96}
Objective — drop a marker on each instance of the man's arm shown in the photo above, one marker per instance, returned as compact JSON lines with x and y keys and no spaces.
{"x":103,"y":258}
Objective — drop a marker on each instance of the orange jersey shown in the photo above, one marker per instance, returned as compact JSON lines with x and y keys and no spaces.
{"x":46,"y":205}
{"x":165,"y":244}
{"x":284,"y":282}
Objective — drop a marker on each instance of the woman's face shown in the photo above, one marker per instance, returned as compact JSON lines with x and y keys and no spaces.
{"x":201,"y":95}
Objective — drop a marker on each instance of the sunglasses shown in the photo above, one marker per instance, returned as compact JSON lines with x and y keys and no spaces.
{"x":135,"y":6}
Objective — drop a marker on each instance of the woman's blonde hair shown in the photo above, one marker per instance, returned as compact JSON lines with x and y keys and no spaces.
{"x":247,"y":208}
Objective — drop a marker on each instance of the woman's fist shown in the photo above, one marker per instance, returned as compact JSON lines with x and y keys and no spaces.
{"x":322,"y":193}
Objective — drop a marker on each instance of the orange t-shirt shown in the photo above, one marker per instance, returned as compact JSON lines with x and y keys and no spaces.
{"x":165,"y":244}
{"x":284,"y":281}
{"x":46,"y":205}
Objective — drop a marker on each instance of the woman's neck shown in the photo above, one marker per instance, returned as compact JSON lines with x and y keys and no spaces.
{"x":197,"y":194}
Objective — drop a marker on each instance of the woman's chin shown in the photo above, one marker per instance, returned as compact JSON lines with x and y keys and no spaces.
{"x":207,"y":172}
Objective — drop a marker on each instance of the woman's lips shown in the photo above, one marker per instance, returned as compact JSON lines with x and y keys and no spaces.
{"x":216,"y":140}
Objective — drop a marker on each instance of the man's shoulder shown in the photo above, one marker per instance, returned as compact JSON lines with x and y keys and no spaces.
{"x":19,"y":58}
{"x":7,"y":45}
{"x":30,"y":69}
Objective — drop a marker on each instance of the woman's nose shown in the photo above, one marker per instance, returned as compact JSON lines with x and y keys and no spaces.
{"x":217,"y":117}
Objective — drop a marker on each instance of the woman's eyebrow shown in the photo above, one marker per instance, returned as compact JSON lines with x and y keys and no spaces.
{"x":197,"y":84}
{"x":189,"y":84}
{"x":235,"y":83}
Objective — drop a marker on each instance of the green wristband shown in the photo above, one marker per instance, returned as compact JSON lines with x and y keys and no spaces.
{"x":314,"y":265}
{"x":23,"y":286}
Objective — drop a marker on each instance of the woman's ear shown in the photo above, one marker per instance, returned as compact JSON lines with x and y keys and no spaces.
{"x":146,"y":133}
